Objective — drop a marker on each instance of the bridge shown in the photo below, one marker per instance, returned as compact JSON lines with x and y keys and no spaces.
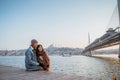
{"x":110,"y":38}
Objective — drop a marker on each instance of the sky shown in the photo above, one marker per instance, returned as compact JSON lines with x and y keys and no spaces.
{"x":64,"y":23}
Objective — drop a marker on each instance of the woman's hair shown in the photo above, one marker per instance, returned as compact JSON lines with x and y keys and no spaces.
{"x":37,"y":50}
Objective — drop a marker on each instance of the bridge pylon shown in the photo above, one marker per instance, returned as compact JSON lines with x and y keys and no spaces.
{"x":90,"y":53}
{"x":118,"y":3}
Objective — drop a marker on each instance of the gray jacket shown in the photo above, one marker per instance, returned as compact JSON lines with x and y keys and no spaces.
{"x":31,"y":63}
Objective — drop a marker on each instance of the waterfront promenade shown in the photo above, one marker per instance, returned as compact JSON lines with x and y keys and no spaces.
{"x":13,"y":73}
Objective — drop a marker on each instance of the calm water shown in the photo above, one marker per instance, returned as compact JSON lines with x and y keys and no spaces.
{"x":96,"y":67}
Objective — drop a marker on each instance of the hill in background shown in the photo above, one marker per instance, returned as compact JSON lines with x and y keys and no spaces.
{"x":52,"y":50}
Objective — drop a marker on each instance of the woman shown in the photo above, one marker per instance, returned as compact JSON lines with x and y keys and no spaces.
{"x":43,"y":58}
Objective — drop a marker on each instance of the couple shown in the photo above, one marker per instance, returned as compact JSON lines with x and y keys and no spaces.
{"x":36,"y":57}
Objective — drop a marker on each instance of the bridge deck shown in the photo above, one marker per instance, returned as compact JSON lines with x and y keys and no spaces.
{"x":111,"y":40}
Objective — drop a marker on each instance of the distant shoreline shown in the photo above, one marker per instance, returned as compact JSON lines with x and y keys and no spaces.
{"x":51,"y":51}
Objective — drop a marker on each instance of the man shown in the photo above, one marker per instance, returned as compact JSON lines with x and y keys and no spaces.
{"x":31,"y":63}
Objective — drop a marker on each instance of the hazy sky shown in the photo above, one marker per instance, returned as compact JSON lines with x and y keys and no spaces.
{"x":65,"y":23}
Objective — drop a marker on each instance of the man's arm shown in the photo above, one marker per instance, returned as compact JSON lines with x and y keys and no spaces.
{"x":29,"y":58}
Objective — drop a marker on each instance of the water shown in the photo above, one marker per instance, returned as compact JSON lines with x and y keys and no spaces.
{"x":94,"y":67}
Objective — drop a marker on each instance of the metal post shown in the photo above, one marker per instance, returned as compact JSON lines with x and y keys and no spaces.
{"x":118,"y":2}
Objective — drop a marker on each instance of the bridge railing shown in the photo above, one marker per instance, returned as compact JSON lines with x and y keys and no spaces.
{"x":112,"y":37}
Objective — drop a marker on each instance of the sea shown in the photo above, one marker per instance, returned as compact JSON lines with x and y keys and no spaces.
{"x":97,"y":66}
